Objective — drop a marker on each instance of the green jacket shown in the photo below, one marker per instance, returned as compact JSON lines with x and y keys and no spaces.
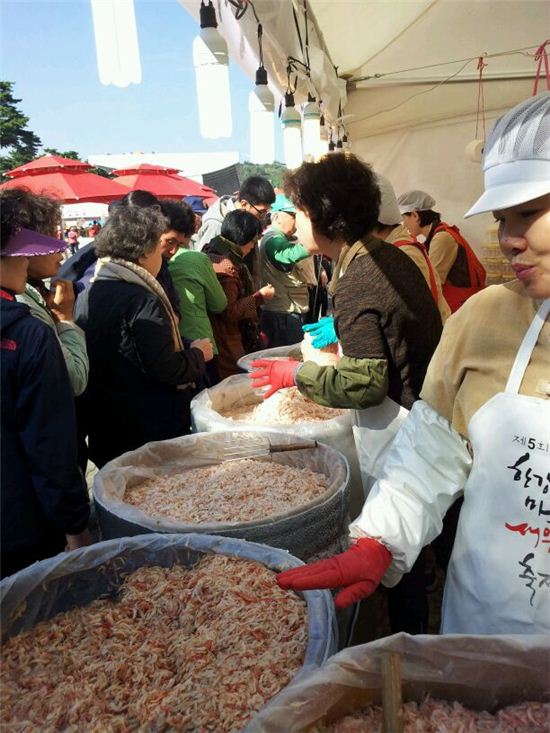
{"x":278,"y":259}
{"x":200,"y":293}
{"x":352,"y":383}
{"x":70,"y":337}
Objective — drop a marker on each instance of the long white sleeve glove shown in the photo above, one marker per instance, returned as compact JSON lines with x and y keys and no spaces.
{"x":426,"y":470}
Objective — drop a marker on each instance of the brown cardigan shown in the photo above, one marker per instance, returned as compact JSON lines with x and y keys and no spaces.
{"x":383,"y":309}
{"x":225,"y":325}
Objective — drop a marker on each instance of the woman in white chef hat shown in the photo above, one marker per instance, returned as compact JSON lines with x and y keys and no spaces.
{"x":456,"y":263}
{"x":481,"y":428}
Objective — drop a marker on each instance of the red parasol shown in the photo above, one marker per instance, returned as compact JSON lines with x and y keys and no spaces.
{"x":160,"y":181}
{"x":67,"y":180}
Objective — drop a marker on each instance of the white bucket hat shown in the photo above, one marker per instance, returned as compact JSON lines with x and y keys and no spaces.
{"x":516,"y":158}
{"x":388,"y":214}
{"x":415,"y":201}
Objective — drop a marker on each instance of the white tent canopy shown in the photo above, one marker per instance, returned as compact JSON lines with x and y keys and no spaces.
{"x":407,"y":78}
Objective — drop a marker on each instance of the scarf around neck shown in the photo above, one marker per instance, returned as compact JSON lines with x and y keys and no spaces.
{"x":111,"y":268}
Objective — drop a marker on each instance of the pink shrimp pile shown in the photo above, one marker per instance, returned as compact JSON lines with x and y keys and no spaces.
{"x":191,"y":650}
{"x":439,"y":716}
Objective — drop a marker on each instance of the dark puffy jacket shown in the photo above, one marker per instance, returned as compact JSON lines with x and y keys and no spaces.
{"x":79,"y":268}
{"x":132,"y":395}
{"x":43,"y":493}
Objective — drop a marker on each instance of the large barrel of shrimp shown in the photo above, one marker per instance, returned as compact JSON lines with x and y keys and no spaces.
{"x":157,"y":632}
{"x":296,"y":501}
{"x":234,"y":405}
{"x":449,"y":683}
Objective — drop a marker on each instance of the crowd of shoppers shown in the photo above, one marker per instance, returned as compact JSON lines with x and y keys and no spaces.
{"x":103,"y":354}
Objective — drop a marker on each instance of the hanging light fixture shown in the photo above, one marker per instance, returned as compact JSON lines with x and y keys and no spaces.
{"x":292,"y":138}
{"x":311,"y":135}
{"x":210,"y":59}
{"x":345,"y":141}
{"x":260,"y":105}
{"x":116,"y":42}
{"x":323,"y":136}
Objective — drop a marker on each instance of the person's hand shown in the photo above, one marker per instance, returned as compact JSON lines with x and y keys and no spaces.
{"x":324,"y":279}
{"x":224,"y":267}
{"x":273,"y":373}
{"x":61,"y":302}
{"x":268,"y":291}
{"x":322,"y":333}
{"x":358,"y":571}
{"x":82,"y":539}
{"x":205,"y":346}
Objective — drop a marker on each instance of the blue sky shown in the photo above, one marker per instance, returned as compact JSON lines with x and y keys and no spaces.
{"x":47,"y":49}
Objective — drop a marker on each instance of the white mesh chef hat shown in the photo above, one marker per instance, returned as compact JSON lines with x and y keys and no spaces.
{"x":516,"y":158}
{"x":415,"y":201}
{"x":389,"y":213}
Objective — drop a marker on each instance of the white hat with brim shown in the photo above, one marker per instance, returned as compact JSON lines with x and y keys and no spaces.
{"x":516,"y":157}
{"x":511,"y":184}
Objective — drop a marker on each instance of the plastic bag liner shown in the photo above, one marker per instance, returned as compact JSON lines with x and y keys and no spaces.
{"x":77,"y":578}
{"x":481,"y":672}
{"x":236,"y":391}
{"x":303,"y":531}
{"x":277,"y":352}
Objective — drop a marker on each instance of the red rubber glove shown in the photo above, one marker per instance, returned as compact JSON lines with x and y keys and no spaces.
{"x":358,"y":571}
{"x":273,"y":373}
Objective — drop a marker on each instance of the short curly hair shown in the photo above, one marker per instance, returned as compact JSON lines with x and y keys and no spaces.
{"x":35,"y":211}
{"x":130,"y":233}
{"x":339,"y":193}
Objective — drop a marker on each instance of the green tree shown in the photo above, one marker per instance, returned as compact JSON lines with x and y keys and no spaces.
{"x":272,"y":171}
{"x":18,"y":142}
{"x":72,"y":154}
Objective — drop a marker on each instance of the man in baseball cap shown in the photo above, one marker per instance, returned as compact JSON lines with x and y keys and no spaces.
{"x":287,"y":266}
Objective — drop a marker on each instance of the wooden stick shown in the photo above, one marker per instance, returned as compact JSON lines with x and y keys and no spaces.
{"x":281,"y":448}
{"x":392,"y":713}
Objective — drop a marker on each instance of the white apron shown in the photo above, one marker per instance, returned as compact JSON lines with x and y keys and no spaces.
{"x":499,"y":574}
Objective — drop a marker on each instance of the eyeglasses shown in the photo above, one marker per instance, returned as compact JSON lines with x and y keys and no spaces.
{"x":262,"y":213}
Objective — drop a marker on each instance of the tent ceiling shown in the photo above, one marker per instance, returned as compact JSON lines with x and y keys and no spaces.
{"x":376,"y":111}
{"x":364,"y":37}
{"x":388,"y":36}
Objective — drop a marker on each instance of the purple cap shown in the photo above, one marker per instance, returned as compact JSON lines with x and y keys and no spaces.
{"x":26,"y":243}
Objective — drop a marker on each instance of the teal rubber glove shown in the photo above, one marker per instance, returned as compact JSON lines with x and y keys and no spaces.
{"x":322,"y":332}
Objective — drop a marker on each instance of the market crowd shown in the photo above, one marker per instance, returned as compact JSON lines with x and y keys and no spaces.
{"x":104,"y":346}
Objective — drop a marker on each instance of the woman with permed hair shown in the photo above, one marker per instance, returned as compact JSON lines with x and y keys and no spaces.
{"x":140,"y":373}
{"x":385,"y":317}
